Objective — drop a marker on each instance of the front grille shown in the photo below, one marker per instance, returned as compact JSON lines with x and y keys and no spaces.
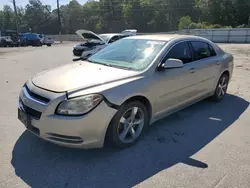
{"x":35,"y":96}
{"x":30,"y":111}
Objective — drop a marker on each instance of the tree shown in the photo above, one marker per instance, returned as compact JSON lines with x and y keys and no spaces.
{"x":8,"y":17}
{"x":116,"y":15}
{"x":185,"y":22}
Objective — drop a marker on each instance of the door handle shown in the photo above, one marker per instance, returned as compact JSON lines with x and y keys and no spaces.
{"x":192,"y":70}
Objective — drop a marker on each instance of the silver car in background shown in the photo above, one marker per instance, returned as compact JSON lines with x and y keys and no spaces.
{"x":114,"y":95}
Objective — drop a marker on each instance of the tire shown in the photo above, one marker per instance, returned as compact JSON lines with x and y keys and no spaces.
{"x":3,"y":43}
{"x":48,"y":44}
{"x":221,"y":88}
{"x":119,"y":134}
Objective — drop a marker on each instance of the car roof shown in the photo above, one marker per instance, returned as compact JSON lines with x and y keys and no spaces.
{"x":166,"y":37}
{"x":110,"y":34}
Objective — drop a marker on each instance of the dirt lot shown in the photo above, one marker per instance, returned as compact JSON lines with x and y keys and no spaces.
{"x":206,"y":145}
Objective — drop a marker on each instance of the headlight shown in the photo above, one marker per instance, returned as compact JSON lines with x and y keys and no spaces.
{"x":80,"y":105}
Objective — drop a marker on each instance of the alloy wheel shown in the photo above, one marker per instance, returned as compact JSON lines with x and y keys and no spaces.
{"x":131,"y":124}
{"x":222,"y":87}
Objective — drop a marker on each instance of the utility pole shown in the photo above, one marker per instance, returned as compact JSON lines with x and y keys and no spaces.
{"x":16,"y":19}
{"x":110,"y":6}
{"x":169,"y":14}
{"x":59,"y":21}
{"x":249,"y":21}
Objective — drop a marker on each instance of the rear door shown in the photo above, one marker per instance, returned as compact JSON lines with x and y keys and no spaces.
{"x":206,"y":64}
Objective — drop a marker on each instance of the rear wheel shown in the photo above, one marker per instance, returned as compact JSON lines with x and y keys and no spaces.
{"x":128,"y":124}
{"x":221,"y":88}
{"x":48,"y":44}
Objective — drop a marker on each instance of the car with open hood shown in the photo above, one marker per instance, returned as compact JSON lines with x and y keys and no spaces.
{"x":94,"y":42}
{"x":115,"y":94}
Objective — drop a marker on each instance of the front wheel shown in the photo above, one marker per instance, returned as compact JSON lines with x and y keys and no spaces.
{"x":221,"y":88}
{"x":3,"y":43}
{"x":128,"y":124}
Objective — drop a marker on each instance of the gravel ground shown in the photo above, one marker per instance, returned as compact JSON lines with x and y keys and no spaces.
{"x":205,"y":145}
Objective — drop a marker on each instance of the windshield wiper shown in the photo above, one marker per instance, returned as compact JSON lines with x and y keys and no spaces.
{"x":105,"y":64}
{"x":119,"y":67}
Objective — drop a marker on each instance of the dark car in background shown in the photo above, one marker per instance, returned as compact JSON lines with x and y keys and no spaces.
{"x":94,"y":42}
{"x":9,"y":38}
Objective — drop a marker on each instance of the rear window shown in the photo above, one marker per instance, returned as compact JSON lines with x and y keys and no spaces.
{"x":32,"y":36}
{"x":218,"y":49}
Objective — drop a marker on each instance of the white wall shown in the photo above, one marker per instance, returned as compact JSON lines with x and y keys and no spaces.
{"x":235,"y":35}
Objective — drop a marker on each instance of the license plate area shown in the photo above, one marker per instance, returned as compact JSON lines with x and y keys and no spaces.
{"x":24,"y":118}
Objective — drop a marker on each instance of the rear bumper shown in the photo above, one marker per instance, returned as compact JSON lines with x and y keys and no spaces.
{"x":86,"y":131}
{"x":48,"y":42}
{"x":8,"y":42}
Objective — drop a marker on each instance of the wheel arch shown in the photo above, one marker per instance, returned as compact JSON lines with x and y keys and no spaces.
{"x":144,"y":100}
{"x":226,"y":72}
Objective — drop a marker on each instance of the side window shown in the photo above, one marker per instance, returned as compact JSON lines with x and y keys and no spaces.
{"x":202,"y":50}
{"x":123,"y":36}
{"x":213,"y":53}
{"x":113,"y":39}
{"x":180,"y":51}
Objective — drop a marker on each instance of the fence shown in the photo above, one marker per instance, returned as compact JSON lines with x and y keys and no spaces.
{"x":235,"y":35}
{"x":227,"y":35}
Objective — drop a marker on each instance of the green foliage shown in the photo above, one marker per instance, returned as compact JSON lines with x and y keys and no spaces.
{"x":242,"y":26}
{"x":185,"y":23}
{"x":116,"y":15}
{"x":194,"y":25}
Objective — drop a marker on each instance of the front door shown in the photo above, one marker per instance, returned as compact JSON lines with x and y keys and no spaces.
{"x":177,"y":86}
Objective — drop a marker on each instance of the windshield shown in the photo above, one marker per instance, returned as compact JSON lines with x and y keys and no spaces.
{"x":105,"y":37}
{"x":135,"y":54}
{"x":94,"y":41}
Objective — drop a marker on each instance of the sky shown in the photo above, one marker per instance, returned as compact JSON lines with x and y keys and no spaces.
{"x":52,"y":3}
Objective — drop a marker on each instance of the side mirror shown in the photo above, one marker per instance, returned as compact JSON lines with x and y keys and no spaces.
{"x":172,"y":63}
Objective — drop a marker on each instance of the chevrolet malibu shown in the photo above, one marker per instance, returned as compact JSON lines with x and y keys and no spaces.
{"x":114,"y":95}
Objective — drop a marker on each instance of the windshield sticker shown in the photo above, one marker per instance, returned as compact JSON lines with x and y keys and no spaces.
{"x":156,"y":42}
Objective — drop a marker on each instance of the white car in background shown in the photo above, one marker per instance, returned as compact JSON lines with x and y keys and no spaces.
{"x":46,"y":40}
{"x":94,"y":42}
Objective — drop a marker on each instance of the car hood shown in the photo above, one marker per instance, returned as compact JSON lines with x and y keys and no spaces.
{"x":79,"y":76}
{"x":88,"y":35}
